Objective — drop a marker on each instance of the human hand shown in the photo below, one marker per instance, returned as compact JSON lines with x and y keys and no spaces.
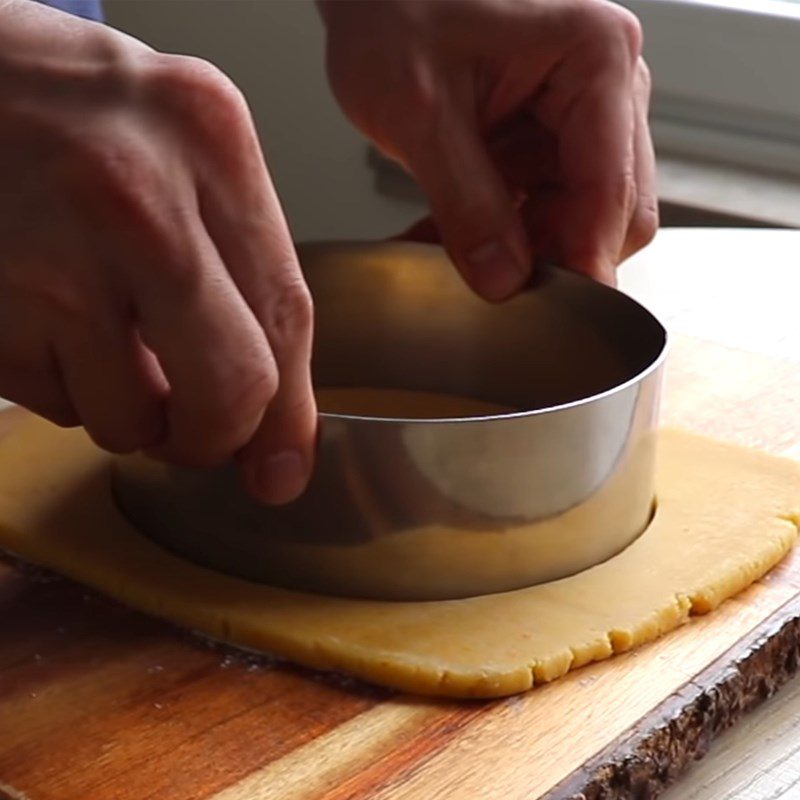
{"x":149,"y":287}
{"x":525,"y":123}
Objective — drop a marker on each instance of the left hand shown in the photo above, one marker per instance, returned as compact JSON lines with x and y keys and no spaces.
{"x":525,"y":123}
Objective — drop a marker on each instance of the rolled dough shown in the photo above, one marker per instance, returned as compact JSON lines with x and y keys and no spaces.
{"x":725,"y":516}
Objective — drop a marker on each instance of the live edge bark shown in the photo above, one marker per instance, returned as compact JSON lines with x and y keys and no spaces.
{"x":643,"y":762}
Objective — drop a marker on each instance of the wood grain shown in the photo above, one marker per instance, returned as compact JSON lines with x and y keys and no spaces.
{"x":100,"y":703}
{"x":86,"y":682}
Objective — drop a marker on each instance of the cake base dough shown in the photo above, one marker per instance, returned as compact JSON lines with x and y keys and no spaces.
{"x":725,"y":516}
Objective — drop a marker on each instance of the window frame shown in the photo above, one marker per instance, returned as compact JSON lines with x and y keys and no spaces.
{"x":726,"y":79}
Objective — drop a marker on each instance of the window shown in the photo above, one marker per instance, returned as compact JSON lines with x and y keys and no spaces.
{"x":726,"y":79}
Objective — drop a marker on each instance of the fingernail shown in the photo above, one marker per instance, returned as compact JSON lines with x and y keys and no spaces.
{"x":494,"y":270}
{"x":279,"y":478}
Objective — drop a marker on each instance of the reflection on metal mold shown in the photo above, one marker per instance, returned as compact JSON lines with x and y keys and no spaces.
{"x":406,"y":507}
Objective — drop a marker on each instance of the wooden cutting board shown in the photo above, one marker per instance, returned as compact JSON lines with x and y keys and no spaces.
{"x":101,"y":703}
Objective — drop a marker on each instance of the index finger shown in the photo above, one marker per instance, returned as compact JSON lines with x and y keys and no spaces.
{"x":242,"y":212}
{"x":592,"y":92}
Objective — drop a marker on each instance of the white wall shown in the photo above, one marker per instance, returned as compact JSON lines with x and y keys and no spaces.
{"x":274,"y":51}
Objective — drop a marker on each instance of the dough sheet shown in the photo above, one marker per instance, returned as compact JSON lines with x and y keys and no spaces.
{"x":725,"y":516}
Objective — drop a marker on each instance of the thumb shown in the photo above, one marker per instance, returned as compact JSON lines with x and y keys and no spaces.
{"x":477,"y":221}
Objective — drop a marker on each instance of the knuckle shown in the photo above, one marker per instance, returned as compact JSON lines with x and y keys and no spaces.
{"x":112,"y":163}
{"x":615,"y":29}
{"x":233,"y":421}
{"x":423,"y":92}
{"x":290,"y":312}
{"x":201,"y":93}
{"x":179,"y":75}
{"x":256,"y":388}
{"x":628,"y":28}
{"x":644,"y":223}
{"x":428,"y":107}
{"x":414,"y":93}
{"x":632,"y":31}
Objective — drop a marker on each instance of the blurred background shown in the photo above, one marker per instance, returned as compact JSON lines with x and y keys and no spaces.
{"x":726,"y":109}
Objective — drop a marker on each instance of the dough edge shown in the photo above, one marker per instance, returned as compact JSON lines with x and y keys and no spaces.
{"x":56,"y":511}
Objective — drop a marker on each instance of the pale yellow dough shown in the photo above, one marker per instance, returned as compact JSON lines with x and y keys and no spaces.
{"x":726,"y":515}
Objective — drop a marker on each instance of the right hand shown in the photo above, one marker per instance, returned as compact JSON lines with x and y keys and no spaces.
{"x":525,"y":123}
{"x":149,"y":287}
